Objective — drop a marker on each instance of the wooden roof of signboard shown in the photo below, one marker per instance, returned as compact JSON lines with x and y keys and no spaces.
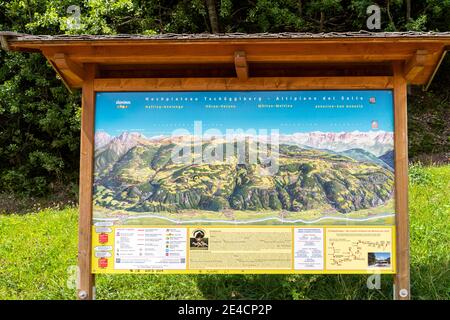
{"x":238,"y":55}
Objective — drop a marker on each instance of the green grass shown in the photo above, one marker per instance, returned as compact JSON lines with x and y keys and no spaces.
{"x":37,"y":250}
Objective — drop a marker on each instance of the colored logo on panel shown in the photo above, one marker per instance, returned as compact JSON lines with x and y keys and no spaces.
{"x":199,"y":240}
{"x":103,"y":263}
{"x":103,"y":238}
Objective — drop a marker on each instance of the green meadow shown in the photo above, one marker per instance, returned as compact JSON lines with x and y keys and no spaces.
{"x":38,"y":255}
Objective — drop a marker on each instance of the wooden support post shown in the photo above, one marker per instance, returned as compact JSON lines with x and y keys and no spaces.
{"x":240,"y":63}
{"x":402,"y":277}
{"x":86,"y":278}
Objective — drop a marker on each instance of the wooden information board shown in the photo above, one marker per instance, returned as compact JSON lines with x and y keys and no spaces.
{"x":350,"y":170}
{"x":399,"y":251}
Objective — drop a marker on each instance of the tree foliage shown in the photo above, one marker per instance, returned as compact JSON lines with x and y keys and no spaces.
{"x":39,"y":119}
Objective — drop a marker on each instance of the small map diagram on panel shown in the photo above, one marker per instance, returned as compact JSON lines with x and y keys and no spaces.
{"x":359,"y":248}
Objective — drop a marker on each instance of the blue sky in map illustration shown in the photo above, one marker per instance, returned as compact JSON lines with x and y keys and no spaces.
{"x":304,"y":116}
{"x":382,"y":255}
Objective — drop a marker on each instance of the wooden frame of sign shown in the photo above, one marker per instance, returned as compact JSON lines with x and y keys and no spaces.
{"x":92,"y":85}
{"x":365,"y":62}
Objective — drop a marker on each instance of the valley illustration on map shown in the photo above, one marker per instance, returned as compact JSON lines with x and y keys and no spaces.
{"x":328,"y":171}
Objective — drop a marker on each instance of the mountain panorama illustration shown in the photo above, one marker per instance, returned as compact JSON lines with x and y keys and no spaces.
{"x":344,"y":177}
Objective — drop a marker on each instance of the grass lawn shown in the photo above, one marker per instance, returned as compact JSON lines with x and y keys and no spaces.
{"x":38,"y":250}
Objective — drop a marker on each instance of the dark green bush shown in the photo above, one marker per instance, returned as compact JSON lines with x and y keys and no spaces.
{"x":39,"y":121}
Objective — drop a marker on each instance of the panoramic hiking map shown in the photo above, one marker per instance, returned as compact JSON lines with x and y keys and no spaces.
{"x":244,"y":158}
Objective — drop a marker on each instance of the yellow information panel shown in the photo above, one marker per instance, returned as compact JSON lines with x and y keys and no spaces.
{"x":244,"y":182}
{"x":156,"y":249}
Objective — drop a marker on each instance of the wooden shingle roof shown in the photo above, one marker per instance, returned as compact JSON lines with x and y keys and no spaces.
{"x":229,"y":36}
{"x":214,"y":55}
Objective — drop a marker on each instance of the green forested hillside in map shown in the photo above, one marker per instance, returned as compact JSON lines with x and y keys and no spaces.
{"x":144,"y":179}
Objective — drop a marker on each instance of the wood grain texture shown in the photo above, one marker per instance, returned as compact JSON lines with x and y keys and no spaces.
{"x":241,"y":66}
{"x":415,"y":65}
{"x":71,"y":71}
{"x":86,"y":278}
{"x":216,"y":53}
{"x":173,"y":53}
{"x":402,"y":278}
{"x":193,"y":84}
